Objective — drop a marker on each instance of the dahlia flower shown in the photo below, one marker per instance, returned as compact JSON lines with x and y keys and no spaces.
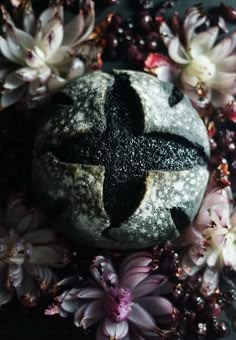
{"x":211,"y":239}
{"x":40,"y":57}
{"x":125,"y":306}
{"x":203,"y":69}
{"x":26,"y":253}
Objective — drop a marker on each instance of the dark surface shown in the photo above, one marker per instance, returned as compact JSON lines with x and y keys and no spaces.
{"x":18,"y":323}
{"x":126,"y":152}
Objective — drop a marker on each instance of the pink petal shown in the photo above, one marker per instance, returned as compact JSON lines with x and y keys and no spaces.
{"x":132,"y":280}
{"x":188,"y":266}
{"x":177,"y":52}
{"x":156,"y":305}
{"x":108,"y":272}
{"x":203,"y":42}
{"x":148,"y":285}
{"x":92,"y":314}
{"x":137,"y":259}
{"x":141,"y":318}
{"x":115,"y":330}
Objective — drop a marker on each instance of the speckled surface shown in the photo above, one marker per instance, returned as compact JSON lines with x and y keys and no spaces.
{"x":112,"y":173}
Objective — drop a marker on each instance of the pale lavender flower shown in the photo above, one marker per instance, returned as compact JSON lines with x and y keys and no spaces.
{"x":44,"y":54}
{"x":26,"y":254}
{"x":211,"y":239}
{"x":125,"y":306}
{"x":202,"y":67}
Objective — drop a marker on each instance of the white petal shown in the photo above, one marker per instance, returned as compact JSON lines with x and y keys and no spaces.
{"x":6,"y":52}
{"x":29,"y":22}
{"x":44,"y":20}
{"x":213,"y":257}
{"x":115,"y":330}
{"x":77,"y":69}
{"x":177,"y":52}
{"x":55,"y":83}
{"x":223,"y":49}
{"x":28,"y":74}
{"x":13,"y":81}
{"x":227,"y":64}
{"x":11,"y":97}
{"x":210,"y":281}
{"x":52,"y":40}
{"x":203,"y":42}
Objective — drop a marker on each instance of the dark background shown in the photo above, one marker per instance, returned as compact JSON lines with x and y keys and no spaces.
{"x":19,"y":323}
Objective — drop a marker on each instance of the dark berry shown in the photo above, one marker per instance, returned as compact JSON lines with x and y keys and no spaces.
{"x":116,"y":22}
{"x":129,"y":24}
{"x":135,"y":56}
{"x":197,"y":303}
{"x":201,"y":328}
{"x":145,"y":21}
{"x":152,"y":42}
{"x":221,"y":329}
{"x":111,"y":2}
{"x":140,"y":42}
{"x":111,"y":41}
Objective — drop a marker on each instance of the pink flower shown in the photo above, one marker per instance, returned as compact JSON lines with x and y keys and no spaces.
{"x":211,"y":239}
{"x":41,"y":56}
{"x":125,"y":306}
{"x":26,"y":253}
{"x":203,"y":69}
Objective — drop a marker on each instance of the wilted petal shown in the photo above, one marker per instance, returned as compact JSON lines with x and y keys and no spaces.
{"x":148,"y":285}
{"x":156,"y":305}
{"x":115,"y":330}
{"x":203,"y":42}
{"x":15,"y":273}
{"x":141,"y":318}
{"x":43,"y":275}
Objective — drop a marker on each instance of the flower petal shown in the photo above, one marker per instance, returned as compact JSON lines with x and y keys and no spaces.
{"x":13,"y":81}
{"x":9,"y":98}
{"x":137,"y":259}
{"x":223,"y":49}
{"x":156,"y":305}
{"x":203,"y":42}
{"x":115,"y":330}
{"x":43,"y":275}
{"x":29,"y":23}
{"x":148,"y":285}
{"x":177,"y":52}
{"x":141,"y":318}
{"x":77,"y":69}
{"x":92,"y":314}
{"x":90,"y":293}
{"x":210,"y":281}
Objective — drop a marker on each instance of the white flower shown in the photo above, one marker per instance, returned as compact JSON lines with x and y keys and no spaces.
{"x":39,"y":58}
{"x":26,"y":253}
{"x":203,"y":69}
{"x":211,"y":239}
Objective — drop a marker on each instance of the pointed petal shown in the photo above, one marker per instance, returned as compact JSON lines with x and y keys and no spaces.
{"x":227,"y":64}
{"x":52,"y":39}
{"x":115,"y":330}
{"x":132,"y":280}
{"x":156,"y":305}
{"x":77,"y":69}
{"x":79,"y":314}
{"x":188,"y":266}
{"x":148,"y":285}
{"x":223,"y":49}
{"x":29,"y":23}
{"x":92,"y":314}
{"x":141,"y":318}
{"x":27,"y":292}
{"x":16,"y":274}
{"x":13,"y":81}
{"x":90,"y":293}
{"x":210,"y":281}
{"x":203,"y":42}
{"x":137,"y":259}
{"x":11,"y":97}
{"x":43,"y":275}
{"x":177,"y":52}
{"x":6,"y":51}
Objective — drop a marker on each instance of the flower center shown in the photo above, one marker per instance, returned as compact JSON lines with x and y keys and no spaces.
{"x":201,"y":68}
{"x":117,"y":304}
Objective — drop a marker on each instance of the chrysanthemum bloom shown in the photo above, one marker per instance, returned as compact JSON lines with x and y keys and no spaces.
{"x":211,"y":239}
{"x":203,"y":69}
{"x":26,"y":253}
{"x":126,"y":307}
{"x":41,"y":56}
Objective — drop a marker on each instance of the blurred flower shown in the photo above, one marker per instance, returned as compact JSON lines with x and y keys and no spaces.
{"x":26,"y":253}
{"x":126,"y":307}
{"x":211,"y":239}
{"x":39,"y":58}
{"x":204,"y":70}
